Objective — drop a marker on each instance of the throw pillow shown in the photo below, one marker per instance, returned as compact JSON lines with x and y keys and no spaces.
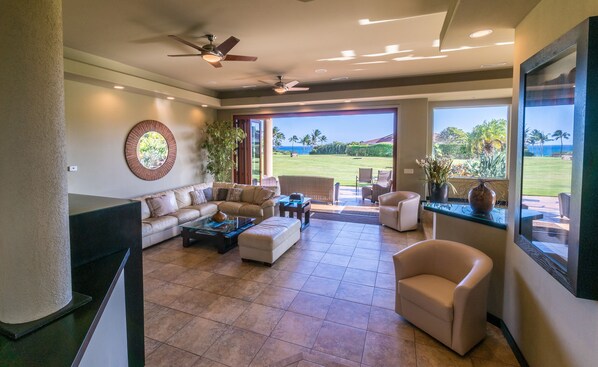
{"x":197,"y":197}
{"x":162,"y":205}
{"x":221,"y":194}
{"x":263,"y":195}
{"x":208,"y":194}
{"x":234,"y":195}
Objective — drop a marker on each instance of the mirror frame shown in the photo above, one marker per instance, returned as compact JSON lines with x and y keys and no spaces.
{"x":132,"y":142}
{"x":582,"y":267}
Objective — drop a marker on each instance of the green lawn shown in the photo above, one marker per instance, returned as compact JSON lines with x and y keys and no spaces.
{"x":546,"y":176}
{"x":342,"y":167}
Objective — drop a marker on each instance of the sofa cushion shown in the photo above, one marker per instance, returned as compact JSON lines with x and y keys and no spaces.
{"x":261,"y":195}
{"x":182,"y":196}
{"x":162,"y":223}
{"x":145,"y":211}
{"x":205,"y":209}
{"x":162,"y":205}
{"x":197,"y":197}
{"x":221,"y":194}
{"x":208,"y":193}
{"x":251,"y":210}
{"x":432,"y":293}
{"x":234,"y":195}
{"x":146,"y":229}
{"x":230,"y":207}
{"x":186,"y":215}
{"x":248,"y":192}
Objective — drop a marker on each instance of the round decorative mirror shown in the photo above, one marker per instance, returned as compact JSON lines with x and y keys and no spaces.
{"x":150,"y":150}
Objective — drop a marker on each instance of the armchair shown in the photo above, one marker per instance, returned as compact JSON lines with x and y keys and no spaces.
{"x":399,"y":210}
{"x":383,"y":185}
{"x":442,"y":288}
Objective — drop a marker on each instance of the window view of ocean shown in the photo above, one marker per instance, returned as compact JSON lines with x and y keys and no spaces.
{"x":549,"y":150}
{"x":297,"y":149}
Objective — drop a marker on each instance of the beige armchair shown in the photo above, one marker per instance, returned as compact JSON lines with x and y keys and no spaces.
{"x":399,"y":210}
{"x":442,"y":288}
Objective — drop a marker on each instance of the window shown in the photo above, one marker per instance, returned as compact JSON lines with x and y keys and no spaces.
{"x":474,"y":137}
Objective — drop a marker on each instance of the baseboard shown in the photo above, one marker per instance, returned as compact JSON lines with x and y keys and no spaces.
{"x":507,"y":334}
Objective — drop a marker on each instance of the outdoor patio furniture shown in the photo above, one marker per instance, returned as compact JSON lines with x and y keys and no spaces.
{"x":442,"y":288}
{"x":399,"y":210}
{"x":317,"y":188}
{"x":366,"y":175}
{"x":564,"y":204}
{"x":383,"y":185}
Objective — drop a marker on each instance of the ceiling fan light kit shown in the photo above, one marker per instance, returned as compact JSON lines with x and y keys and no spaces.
{"x":212,"y":53}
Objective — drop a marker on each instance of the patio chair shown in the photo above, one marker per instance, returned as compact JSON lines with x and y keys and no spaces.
{"x":383,"y":185}
{"x":365,"y":176}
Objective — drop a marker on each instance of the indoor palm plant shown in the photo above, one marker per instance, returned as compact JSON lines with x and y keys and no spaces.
{"x":437,"y":170}
{"x":222,"y":138}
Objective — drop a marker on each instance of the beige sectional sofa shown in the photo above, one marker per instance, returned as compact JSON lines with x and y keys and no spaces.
{"x":156,"y":229}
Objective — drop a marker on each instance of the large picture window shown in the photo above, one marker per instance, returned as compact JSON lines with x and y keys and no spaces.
{"x":474,"y":137}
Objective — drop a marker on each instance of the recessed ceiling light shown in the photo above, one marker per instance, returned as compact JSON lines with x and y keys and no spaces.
{"x":481,"y":33}
{"x":340,"y":78}
{"x":321,"y":71}
{"x":170,"y":98}
{"x":358,"y":69}
{"x":388,"y":50}
{"x":204,"y":105}
{"x":347,"y":101}
{"x":348,"y":53}
{"x":413,"y":58}
{"x":249,"y":86}
{"x":436,"y":43}
{"x":370,"y":62}
{"x":119,"y":87}
{"x":504,"y":43}
{"x":301,"y":104}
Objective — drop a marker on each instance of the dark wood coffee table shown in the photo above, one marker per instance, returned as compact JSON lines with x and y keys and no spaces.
{"x":224,"y":235}
{"x":302,"y":209}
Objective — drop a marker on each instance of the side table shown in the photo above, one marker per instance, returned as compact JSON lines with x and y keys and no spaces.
{"x":302,"y":209}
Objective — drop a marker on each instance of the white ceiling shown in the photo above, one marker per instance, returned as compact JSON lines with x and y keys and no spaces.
{"x":293,"y":37}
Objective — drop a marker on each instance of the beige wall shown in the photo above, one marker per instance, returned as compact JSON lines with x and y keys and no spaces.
{"x":98,"y":120}
{"x":551,"y":327}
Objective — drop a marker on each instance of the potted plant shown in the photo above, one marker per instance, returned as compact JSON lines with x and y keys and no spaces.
{"x":437,"y":171}
{"x":221,"y":141}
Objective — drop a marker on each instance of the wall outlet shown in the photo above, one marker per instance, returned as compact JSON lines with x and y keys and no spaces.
{"x":408,"y":171}
{"x":72,"y":168}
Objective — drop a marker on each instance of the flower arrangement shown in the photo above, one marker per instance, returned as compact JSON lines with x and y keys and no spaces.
{"x":436,"y":169}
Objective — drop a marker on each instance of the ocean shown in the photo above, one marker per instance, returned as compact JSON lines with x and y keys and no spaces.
{"x":299,"y":149}
{"x":549,"y":150}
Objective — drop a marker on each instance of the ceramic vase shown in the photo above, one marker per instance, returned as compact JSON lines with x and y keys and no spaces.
{"x":219,"y":217}
{"x":481,"y":198}
{"x":438,"y":192}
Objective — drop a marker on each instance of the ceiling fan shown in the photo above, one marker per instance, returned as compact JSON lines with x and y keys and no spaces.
{"x":281,"y":87}
{"x":213,"y":53}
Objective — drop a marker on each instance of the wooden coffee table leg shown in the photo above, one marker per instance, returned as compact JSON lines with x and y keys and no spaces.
{"x":185,"y":235}
{"x":306,"y":220}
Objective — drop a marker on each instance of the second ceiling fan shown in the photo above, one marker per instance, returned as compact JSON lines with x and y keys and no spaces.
{"x":212,"y":53}
{"x":281,"y":87}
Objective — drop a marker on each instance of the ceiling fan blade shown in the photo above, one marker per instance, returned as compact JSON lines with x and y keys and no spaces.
{"x":185,"y":42}
{"x":227,"y":45}
{"x":215,"y":64}
{"x":266,"y":82}
{"x":297,"y":89}
{"x":181,"y":55}
{"x":239,"y":58}
{"x":291,"y":84}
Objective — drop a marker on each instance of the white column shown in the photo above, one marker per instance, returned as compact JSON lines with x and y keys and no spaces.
{"x":35,"y":270}
{"x":268,"y":151}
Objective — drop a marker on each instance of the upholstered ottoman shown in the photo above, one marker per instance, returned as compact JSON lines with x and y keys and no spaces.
{"x":268,"y":240}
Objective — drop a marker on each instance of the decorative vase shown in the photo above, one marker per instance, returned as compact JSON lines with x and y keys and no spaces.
{"x":219,"y":217}
{"x":438,"y":192}
{"x":481,"y":198}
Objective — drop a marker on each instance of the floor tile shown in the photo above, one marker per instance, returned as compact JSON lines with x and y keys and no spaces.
{"x":316,"y":246}
{"x":388,"y":322}
{"x":340,"y":340}
{"x":276,"y":297}
{"x":341,"y":250}
{"x":300,"y":266}
{"x":311,"y":305}
{"x":204,"y":362}
{"x":429,"y":356}
{"x":236,"y":269}
{"x":260,"y":319}
{"x":384,"y":350}
{"x":386,"y":267}
{"x":275,"y":350}
{"x":372,"y":245}
{"x":194,"y":301}
{"x":290,"y":280}
{"x":297,"y":329}
{"x":363,"y":264}
{"x":236,"y":347}
{"x":167,"y":356}
{"x":246,"y":290}
{"x":197,"y":336}
{"x":192,"y":278}
{"x":386,"y":281}
{"x":166,"y":323}
{"x":359,"y":276}
{"x":150,"y":345}
{"x":364,"y":253}
{"x":216,"y":283}
{"x":329,"y":271}
{"x":322,"y":286}
{"x":349,"y":313}
{"x":494,"y":347}
{"x":334,"y":259}
{"x":225,"y":309}
{"x":384,"y":298}
{"x":478,"y":362}
{"x":150,"y":265}
{"x":166,"y":294}
{"x":261,"y":274}
{"x":355,"y":293}
{"x":190,"y":261}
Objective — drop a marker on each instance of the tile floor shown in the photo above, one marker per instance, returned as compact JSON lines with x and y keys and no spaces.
{"x":332,"y":295}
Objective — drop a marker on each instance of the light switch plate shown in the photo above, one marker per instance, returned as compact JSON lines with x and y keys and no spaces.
{"x":408,"y":171}
{"x":72,"y":168}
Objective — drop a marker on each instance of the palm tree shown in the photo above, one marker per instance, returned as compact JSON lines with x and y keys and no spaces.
{"x":306,"y":140}
{"x":316,"y":137}
{"x":293,"y":139}
{"x":277,"y":136}
{"x":488,"y":136}
{"x":541,"y":138}
{"x":560,"y":134}
{"x":323,"y":139}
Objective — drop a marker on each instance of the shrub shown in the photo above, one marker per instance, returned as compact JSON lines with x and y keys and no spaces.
{"x":375,"y":150}
{"x":331,"y":148}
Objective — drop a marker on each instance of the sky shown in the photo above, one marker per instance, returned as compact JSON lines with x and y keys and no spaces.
{"x":343,"y":128}
{"x":549,"y":119}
